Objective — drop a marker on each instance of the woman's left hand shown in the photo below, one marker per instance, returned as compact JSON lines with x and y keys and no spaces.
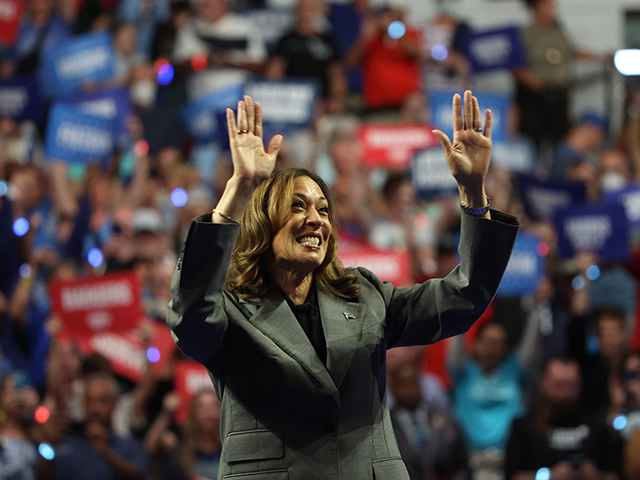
{"x":470,"y":153}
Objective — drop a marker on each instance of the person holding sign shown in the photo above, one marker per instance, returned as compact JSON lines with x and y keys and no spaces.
{"x":294,"y":342}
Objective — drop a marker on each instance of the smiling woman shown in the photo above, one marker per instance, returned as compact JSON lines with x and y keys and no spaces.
{"x":295,"y":343}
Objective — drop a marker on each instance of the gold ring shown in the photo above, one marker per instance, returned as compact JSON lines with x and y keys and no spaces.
{"x":242,"y":131}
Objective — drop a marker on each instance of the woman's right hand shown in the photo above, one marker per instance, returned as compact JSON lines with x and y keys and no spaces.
{"x":250,"y":161}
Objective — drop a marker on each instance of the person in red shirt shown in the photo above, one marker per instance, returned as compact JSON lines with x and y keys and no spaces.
{"x":389,"y":54}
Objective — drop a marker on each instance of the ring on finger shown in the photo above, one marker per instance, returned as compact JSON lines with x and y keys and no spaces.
{"x":242,"y":131}
{"x":477,"y":129}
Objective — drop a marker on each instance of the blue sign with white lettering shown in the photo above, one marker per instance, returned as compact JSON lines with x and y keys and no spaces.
{"x":629,"y":198}
{"x":76,"y":136}
{"x":525,"y":268}
{"x":495,"y":49}
{"x":204,"y":118}
{"x":113,"y":103}
{"x":498,"y":103}
{"x":541,"y":198}
{"x":288,"y":105}
{"x":85,"y":58}
{"x":603,"y":229}
{"x":431,"y":175}
{"x":20,"y":99}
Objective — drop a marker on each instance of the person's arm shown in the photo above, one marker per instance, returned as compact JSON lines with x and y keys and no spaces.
{"x":196,"y":312}
{"x":276,"y":66}
{"x":61,"y":193}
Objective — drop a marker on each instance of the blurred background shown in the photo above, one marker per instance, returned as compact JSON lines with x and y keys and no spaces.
{"x":112,"y":137}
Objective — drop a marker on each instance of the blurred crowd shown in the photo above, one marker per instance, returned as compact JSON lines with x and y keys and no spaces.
{"x":545,"y":387}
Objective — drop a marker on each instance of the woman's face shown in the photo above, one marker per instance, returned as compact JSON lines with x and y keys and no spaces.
{"x":302,"y":241}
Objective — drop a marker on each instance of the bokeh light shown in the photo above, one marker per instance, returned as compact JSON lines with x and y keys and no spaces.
{"x":47,"y":451}
{"x":3,"y":188}
{"x":542,"y":249}
{"x":142,"y":148}
{"x":421,"y":221}
{"x":25,"y":270}
{"x":627,"y":61}
{"x":159,"y":64}
{"x":21,"y":226}
{"x":41,"y":415}
{"x":95,"y":257}
{"x":165,"y":75}
{"x":153,"y":354}
{"x":593,"y":272}
{"x":179,"y":197}
{"x":620,"y":422}
{"x":543,"y":474}
{"x":578,"y":282}
{"x":199,"y":62}
{"x":397,"y":29}
{"x":439,"y":52}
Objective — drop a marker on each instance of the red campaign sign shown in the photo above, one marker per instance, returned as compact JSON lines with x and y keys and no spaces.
{"x":190,"y":377}
{"x":10,"y":16}
{"x":110,"y":303}
{"x":389,"y":265}
{"x":393,"y":146}
{"x":127,"y":353}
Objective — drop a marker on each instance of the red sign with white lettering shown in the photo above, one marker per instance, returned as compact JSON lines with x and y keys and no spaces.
{"x":110,"y":303}
{"x":389,"y":265}
{"x":10,"y":15}
{"x":393,"y":146}
{"x":189,"y":378}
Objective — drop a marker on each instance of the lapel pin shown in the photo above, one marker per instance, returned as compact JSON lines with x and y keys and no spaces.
{"x":348,"y":316}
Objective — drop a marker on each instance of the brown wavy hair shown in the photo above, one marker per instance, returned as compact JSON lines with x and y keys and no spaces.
{"x":268,"y":210}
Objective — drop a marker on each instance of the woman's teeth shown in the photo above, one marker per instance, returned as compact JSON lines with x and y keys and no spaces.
{"x":313,"y":241}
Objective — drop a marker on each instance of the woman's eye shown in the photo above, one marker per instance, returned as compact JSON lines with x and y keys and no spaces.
{"x":324,"y":210}
{"x":297,"y":205}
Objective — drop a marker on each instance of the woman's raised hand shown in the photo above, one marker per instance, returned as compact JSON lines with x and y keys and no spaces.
{"x":250,"y":161}
{"x":469,"y":154}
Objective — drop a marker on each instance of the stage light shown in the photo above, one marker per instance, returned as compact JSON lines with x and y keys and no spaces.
{"x":41,"y":415}
{"x":142,"y":148}
{"x":542,"y":249}
{"x":421,"y":221}
{"x":153,"y":354}
{"x":25,"y":270}
{"x":159,"y":65}
{"x":47,"y":451}
{"x":593,"y":272}
{"x":543,"y":474}
{"x":627,"y":61}
{"x":3,"y":188}
{"x":21,"y":226}
{"x":199,"y":62}
{"x":179,"y":197}
{"x":397,"y":29}
{"x":439,"y":52}
{"x":578,"y":282}
{"x":620,"y":422}
{"x":165,"y":74}
{"x":95,"y":257}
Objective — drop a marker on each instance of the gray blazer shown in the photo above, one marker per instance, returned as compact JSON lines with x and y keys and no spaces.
{"x":284,"y":414}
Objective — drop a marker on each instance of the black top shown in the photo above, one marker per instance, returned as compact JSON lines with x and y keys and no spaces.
{"x":308,"y":316}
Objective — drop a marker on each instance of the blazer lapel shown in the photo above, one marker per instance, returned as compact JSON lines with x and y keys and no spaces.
{"x":342,"y":324}
{"x":275,"y":319}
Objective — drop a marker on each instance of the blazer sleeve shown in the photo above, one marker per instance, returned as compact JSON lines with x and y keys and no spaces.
{"x":444,"y":307}
{"x":196,"y":312}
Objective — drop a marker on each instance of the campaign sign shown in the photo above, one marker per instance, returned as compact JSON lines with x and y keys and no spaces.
{"x":272,"y":23}
{"x":495,"y":49}
{"x":498,"y":103}
{"x":128,"y":355}
{"x":393,"y":146}
{"x":525,"y":268}
{"x":431,"y":175}
{"x":389,"y":265}
{"x":517,"y":155}
{"x":85,"y":58}
{"x":110,"y":303}
{"x":20,"y":99}
{"x":10,"y":15}
{"x":112,"y":104}
{"x":202,"y":117}
{"x":75,"y":136}
{"x":629,"y":198}
{"x":190,"y":378}
{"x":541,"y":198}
{"x":599,"y":228}
{"x":288,"y":105}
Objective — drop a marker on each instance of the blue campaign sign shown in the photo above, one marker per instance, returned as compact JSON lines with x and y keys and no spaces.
{"x":85,"y":58}
{"x":541,"y":198}
{"x":287,"y":105}
{"x":495,"y":49}
{"x":525,"y":268}
{"x":603,"y":229}
{"x":629,"y":198}
{"x":431,"y":175}
{"x":20,"y":99}
{"x":204,"y":118}
{"x":113,"y":104}
{"x":76,"y":136}
{"x":498,"y":103}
